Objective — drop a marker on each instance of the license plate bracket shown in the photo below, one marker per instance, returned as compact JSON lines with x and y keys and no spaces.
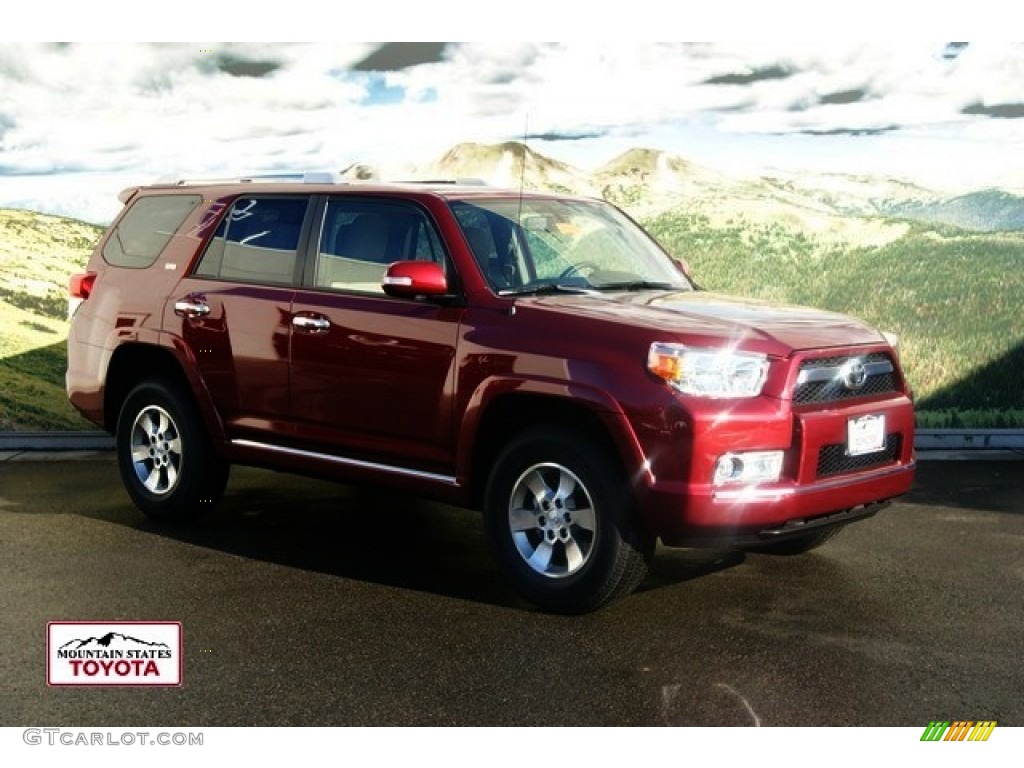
{"x":865,"y":434}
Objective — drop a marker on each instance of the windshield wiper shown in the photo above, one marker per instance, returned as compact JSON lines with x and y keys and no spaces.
{"x":637,"y":285}
{"x":544,"y":288}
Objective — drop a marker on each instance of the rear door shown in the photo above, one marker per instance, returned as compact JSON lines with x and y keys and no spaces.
{"x":235,"y":310}
{"x":373,"y":376}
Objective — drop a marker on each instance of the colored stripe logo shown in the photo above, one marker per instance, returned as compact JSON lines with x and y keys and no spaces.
{"x":958,"y":730}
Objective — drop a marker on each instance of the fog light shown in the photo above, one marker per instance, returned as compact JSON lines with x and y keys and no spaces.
{"x":748,"y":468}
{"x":728,"y":469}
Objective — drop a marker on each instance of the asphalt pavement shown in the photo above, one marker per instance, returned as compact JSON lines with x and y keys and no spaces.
{"x":309,"y":603}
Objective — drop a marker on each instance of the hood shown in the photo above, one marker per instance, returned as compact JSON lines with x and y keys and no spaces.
{"x":775,"y":329}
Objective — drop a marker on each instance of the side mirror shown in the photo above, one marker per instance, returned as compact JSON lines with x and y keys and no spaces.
{"x":683,"y":266}
{"x":408,"y":279}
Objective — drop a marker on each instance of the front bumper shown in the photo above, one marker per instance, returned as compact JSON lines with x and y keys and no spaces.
{"x":821,"y":484}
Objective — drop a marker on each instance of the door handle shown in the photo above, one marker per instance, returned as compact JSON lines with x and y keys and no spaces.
{"x":191,"y":308}
{"x":312,"y":324}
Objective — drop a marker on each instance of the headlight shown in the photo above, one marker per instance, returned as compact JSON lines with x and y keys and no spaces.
{"x":893,"y":341}
{"x":709,"y":372}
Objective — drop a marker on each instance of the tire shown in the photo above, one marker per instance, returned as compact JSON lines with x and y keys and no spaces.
{"x":166,"y":460}
{"x":797,"y":545}
{"x":560,"y":517}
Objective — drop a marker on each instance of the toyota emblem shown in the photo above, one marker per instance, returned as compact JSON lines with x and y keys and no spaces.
{"x":853,"y":373}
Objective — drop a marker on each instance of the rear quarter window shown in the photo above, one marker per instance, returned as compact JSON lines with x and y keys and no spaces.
{"x":142,"y":233}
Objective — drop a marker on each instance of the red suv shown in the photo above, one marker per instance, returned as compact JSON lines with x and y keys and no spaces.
{"x":538,"y":357}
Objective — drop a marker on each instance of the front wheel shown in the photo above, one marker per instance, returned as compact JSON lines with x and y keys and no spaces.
{"x":166,"y":461}
{"x":560,"y":516}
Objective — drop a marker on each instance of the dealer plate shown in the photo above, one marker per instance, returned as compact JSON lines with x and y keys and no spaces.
{"x":865,"y":434}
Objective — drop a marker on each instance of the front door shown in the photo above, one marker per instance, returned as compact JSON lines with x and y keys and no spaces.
{"x":373,"y":376}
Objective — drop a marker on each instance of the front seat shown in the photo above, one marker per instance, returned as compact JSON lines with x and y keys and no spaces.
{"x":482,"y":244}
{"x":365,"y":239}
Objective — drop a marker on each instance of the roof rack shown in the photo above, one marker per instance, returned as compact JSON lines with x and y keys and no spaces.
{"x":307,"y":177}
{"x":466,"y":182}
{"x":313,"y":177}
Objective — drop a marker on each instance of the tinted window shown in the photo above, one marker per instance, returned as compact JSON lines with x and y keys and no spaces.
{"x":257,"y":241}
{"x":359,"y":239}
{"x":145,"y":229}
{"x":493,"y":241}
{"x":538,"y":242}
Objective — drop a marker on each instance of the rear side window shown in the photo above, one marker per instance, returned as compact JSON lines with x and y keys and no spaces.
{"x":141,"y":234}
{"x":257,"y":242}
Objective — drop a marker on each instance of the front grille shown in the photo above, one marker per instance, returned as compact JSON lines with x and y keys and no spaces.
{"x":833,"y":460}
{"x":825,"y":385}
{"x":830,"y":391}
{"x":830,"y":362}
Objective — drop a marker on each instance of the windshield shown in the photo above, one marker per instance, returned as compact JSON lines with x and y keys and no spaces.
{"x":528,"y":245}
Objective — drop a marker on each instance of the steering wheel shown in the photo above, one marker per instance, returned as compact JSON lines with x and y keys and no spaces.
{"x":577,"y":269}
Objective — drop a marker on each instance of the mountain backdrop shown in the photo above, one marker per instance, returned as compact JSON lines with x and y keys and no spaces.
{"x":649,"y":182}
{"x":944,"y":272}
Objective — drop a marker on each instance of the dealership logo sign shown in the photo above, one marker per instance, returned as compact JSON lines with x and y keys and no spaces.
{"x":113,"y":653}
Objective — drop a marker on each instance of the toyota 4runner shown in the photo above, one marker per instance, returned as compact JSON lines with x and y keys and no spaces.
{"x":537,"y":357}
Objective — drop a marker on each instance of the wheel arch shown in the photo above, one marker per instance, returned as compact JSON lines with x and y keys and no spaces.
{"x":509,"y":414}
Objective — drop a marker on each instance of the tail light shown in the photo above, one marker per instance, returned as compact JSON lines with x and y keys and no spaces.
{"x":81,"y":285}
{"x":79,"y":290}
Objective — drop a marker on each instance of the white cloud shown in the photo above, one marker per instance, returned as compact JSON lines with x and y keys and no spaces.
{"x":88,"y":196}
{"x":121,"y":105}
{"x":147,"y":110}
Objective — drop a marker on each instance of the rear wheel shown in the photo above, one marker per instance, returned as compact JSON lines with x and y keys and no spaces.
{"x":560,"y":516}
{"x":797,"y":545}
{"x":166,"y":461}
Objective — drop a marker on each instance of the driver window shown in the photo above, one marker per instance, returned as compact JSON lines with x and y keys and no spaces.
{"x":360,"y":239}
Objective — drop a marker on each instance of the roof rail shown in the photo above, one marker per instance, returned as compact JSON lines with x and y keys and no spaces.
{"x":466,"y":181}
{"x":311,"y":177}
{"x":306,"y":177}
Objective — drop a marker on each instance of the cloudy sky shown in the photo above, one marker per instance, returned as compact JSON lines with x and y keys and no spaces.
{"x":80,"y":121}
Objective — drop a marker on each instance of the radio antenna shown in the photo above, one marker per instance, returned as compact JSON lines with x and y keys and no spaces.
{"x":522,"y":167}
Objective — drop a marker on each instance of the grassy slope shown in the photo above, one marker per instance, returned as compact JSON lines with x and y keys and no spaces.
{"x":38,"y":253}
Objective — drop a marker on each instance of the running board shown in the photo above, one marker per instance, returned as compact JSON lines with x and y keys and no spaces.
{"x":347,"y":462}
